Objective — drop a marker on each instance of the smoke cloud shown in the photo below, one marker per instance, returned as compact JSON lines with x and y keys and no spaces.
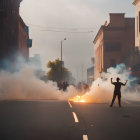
{"x":24,"y":85}
{"x":102,"y":90}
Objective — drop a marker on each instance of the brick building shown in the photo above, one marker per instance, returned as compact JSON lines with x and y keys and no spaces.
{"x":113,"y":43}
{"x":136,"y":57}
{"x":137,"y":23}
{"x":14,"y":35}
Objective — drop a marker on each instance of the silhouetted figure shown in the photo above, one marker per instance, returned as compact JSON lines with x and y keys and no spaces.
{"x":65,"y":86}
{"x":79,"y":86}
{"x":60,"y":85}
{"x":117,"y":91}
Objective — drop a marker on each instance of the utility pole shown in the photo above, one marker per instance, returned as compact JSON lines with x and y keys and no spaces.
{"x":62,"y":57}
{"x":82,"y":69}
{"x":61,"y":52}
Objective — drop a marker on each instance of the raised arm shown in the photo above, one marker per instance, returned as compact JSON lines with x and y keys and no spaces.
{"x":111,"y":81}
{"x":125,"y":82}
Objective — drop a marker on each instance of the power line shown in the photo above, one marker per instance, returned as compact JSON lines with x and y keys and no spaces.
{"x":49,"y":27}
{"x":67,"y":31}
{"x":62,"y":30}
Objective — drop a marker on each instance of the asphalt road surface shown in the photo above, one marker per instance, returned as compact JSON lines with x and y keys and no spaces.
{"x":55,"y":120}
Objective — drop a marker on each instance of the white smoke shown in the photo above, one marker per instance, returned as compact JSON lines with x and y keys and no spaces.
{"x":102,"y":89}
{"x":24,"y":85}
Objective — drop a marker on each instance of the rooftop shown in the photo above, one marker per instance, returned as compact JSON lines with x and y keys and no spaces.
{"x":117,"y":21}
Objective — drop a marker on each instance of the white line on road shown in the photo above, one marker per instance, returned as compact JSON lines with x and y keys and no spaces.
{"x":75,"y":117}
{"x":69,"y":104}
{"x":85,"y":137}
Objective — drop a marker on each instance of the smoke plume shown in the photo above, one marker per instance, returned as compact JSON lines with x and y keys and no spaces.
{"x":24,"y":85}
{"x":102,"y":90}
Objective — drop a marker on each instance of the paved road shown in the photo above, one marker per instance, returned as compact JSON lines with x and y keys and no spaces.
{"x":54,"y":120}
{"x":100,"y":122}
{"x":32,"y":120}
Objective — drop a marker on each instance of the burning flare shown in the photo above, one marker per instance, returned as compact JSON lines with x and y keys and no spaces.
{"x":78,"y":99}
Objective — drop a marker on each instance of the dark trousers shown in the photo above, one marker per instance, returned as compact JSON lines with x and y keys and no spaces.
{"x":114,"y":97}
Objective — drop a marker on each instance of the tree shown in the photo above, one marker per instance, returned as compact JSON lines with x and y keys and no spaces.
{"x":57,"y":71}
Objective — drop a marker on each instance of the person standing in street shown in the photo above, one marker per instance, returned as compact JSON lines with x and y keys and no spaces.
{"x":117,"y":90}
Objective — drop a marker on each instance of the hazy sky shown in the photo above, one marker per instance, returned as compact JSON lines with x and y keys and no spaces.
{"x":77,"y":18}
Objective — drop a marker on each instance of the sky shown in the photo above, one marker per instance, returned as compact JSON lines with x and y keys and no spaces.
{"x":50,"y":21}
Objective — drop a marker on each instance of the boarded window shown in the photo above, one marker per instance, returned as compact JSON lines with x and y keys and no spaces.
{"x":113,"y":47}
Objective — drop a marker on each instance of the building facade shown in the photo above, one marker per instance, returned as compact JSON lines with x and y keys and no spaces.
{"x":136,"y":3}
{"x":14,"y":36}
{"x":136,"y":57}
{"x":113,"y":43}
{"x":23,"y":39}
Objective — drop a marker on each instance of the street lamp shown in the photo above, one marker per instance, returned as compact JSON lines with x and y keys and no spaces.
{"x":62,"y":49}
{"x":62,"y":57}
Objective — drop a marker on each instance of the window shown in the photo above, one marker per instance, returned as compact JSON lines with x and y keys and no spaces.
{"x":113,"y":47}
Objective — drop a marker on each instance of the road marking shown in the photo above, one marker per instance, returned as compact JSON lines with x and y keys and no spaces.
{"x":75,"y":117}
{"x":69,"y":104}
{"x":85,"y":137}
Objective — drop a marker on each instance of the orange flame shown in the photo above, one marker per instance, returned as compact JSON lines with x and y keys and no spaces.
{"x":78,"y":99}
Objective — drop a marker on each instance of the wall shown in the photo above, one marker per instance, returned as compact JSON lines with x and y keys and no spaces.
{"x":13,"y":36}
{"x":98,"y":53}
{"x":137,"y":25}
{"x":113,"y":43}
{"x":22,"y":40}
{"x":9,"y":12}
